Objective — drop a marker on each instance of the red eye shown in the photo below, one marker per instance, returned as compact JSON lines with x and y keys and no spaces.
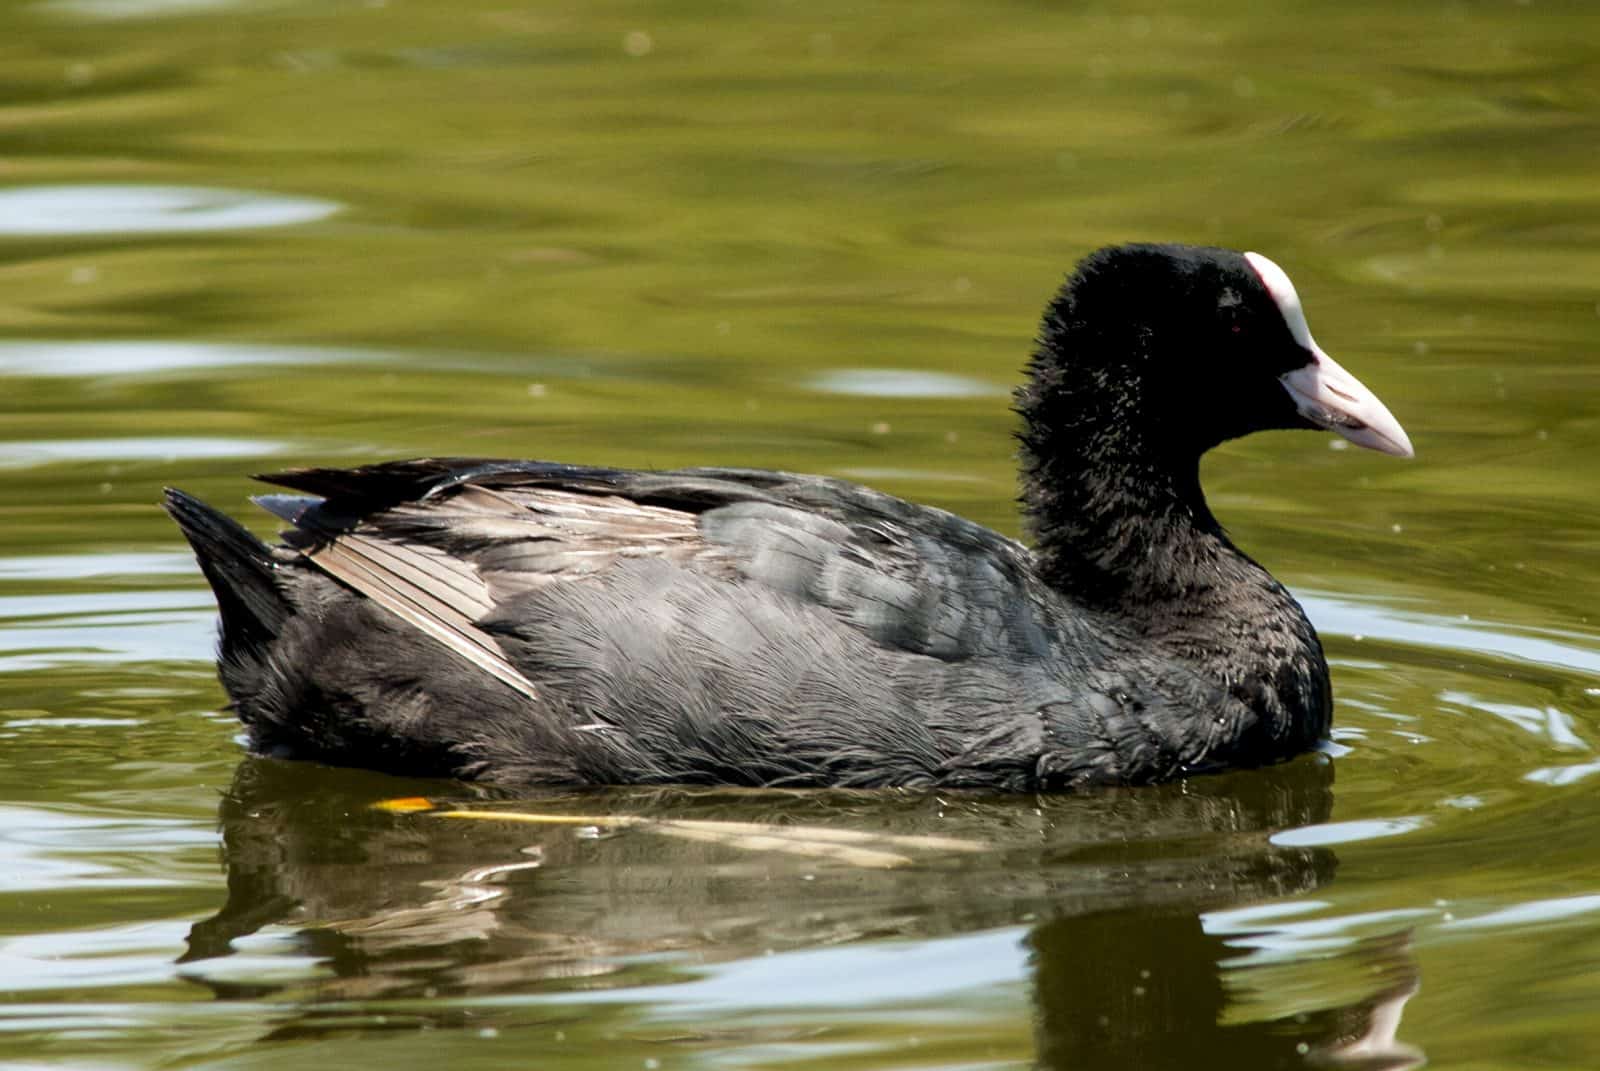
{"x":1237,"y":329}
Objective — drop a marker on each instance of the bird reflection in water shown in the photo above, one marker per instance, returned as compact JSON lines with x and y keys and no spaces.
{"x":1117,"y":893}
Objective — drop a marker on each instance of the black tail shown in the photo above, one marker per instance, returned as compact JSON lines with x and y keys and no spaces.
{"x":240,"y":569}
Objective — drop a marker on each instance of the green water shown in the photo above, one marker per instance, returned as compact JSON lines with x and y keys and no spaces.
{"x":237,"y":236}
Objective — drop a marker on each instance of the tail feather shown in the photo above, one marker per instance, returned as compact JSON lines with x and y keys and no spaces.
{"x":240,"y":568}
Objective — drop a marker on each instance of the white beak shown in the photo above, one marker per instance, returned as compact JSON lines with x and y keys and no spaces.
{"x":1332,"y":398}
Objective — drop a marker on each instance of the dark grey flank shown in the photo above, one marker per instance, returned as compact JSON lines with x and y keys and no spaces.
{"x":526,"y":622}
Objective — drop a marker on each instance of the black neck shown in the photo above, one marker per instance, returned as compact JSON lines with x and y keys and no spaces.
{"x":1114,"y":521}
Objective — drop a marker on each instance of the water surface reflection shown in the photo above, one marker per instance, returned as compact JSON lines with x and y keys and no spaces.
{"x":130,"y":209}
{"x":1101,"y":912}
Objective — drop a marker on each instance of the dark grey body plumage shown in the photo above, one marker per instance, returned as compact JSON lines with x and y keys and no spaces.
{"x":528,"y":622}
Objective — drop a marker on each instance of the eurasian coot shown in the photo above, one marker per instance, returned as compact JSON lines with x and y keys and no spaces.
{"x":527,"y":622}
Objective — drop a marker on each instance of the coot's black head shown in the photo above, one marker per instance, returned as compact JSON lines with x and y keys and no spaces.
{"x":1160,"y":352}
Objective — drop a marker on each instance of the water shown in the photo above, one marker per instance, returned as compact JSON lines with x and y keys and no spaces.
{"x":240,"y":236}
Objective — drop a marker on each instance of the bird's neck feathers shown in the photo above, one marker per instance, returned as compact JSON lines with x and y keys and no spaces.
{"x":1113,"y":501}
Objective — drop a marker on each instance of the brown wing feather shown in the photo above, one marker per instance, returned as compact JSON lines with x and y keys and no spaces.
{"x":518,"y":539}
{"x":425,"y":587}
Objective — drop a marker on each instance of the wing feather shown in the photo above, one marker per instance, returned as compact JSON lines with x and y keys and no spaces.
{"x":465,"y":540}
{"x":398,"y":577}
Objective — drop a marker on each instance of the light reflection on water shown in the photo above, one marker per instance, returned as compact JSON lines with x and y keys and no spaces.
{"x":35,"y":211}
{"x":144,"y":357}
{"x":85,"y":566}
{"x":107,"y":628}
{"x":137,"y":9}
{"x":171,"y":448}
{"x":903,"y":383}
{"x":1570,"y":650}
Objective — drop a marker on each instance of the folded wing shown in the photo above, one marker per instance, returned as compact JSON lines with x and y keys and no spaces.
{"x":442,"y":543}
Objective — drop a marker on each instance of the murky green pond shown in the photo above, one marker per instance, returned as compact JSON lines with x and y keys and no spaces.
{"x":237,"y":236}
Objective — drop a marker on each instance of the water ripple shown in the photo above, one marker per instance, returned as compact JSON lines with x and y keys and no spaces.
{"x":137,"y":9}
{"x":40,"y":850}
{"x":1547,"y":647}
{"x":41,"y":631}
{"x":1529,"y":913}
{"x":86,"y":566}
{"x":142,"y":357}
{"x":84,"y":210}
{"x":852,"y":975}
{"x":1363,"y":829}
{"x":902,"y":383}
{"x":27,"y":454}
